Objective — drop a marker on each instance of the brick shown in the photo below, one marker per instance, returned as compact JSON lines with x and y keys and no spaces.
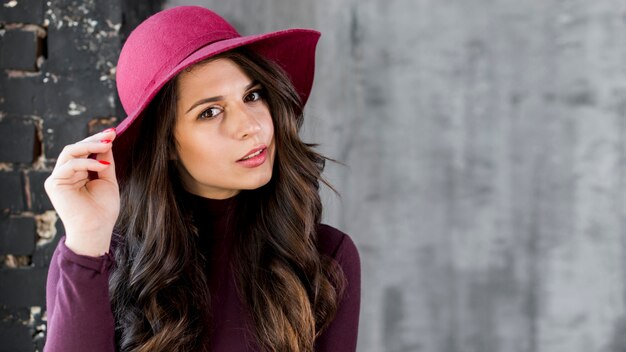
{"x":21,"y":95}
{"x":59,"y":131}
{"x":11,"y":190}
{"x":19,"y":49}
{"x":79,"y":96}
{"x":17,"y":336}
{"x":18,"y":235}
{"x":17,"y":140}
{"x":38,"y":196}
{"x":86,"y":32}
{"x":79,"y":49}
{"x":16,"y":329}
{"x":24,"y":11}
{"x":23,"y":287}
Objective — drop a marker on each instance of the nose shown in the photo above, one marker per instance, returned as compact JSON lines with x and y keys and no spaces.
{"x":244,"y":122}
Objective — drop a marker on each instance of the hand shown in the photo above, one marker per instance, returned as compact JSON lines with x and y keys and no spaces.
{"x":87,"y":208}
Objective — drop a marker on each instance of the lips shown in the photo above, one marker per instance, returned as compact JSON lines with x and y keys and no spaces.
{"x":253,"y":152}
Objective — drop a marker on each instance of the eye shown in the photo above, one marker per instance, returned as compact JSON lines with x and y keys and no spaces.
{"x":254,"y":96}
{"x":209,"y":113}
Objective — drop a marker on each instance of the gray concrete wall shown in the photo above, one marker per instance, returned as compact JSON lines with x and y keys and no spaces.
{"x":486,"y":145}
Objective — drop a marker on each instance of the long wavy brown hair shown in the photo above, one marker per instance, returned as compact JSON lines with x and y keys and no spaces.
{"x":158,"y":287}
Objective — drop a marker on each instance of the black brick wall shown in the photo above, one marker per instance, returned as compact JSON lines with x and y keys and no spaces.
{"x":57,"y":71}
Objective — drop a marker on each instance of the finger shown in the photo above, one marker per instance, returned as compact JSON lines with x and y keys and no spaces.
{"x":68,"y":171}
{"x":104,"y":136}
{"x":109,"y":134}
{"x":109,"y":172}
{"x":83,"y":149}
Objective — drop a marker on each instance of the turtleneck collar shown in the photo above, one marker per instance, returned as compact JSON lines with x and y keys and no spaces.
{"x":211,"y":205}
{"x":211,"y":215}
{"x":214,"y":220}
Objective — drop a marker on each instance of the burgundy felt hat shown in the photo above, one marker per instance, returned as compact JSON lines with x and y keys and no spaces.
{"x":173,"y":39}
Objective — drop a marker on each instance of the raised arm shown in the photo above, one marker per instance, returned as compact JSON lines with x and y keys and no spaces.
{"x":78,"y":306}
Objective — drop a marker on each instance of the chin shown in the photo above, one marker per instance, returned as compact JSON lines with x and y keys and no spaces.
{"x":259,"y":182}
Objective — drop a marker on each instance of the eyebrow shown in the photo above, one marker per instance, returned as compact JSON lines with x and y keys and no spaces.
{"x":219,"y":97}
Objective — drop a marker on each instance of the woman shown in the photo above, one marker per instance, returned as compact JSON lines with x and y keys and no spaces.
{"x":195,"y":224}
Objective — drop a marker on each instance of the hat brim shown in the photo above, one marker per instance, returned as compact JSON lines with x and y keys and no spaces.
{"x":292,"y":49}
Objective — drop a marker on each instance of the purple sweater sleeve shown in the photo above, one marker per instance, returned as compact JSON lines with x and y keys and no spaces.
{"x":78,"y":306}
{"x":342,"y":333}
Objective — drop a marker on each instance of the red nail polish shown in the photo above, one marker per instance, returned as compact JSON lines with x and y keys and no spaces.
{"x":104,"y":162}
{"x":112,"y":129}
{"x":105,"y":141}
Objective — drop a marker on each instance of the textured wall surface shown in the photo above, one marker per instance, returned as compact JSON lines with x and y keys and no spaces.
{"x":57,"y":70}
{"x":486,"y":150}
{"x":57,"y":63}
{"x":485,"y":144}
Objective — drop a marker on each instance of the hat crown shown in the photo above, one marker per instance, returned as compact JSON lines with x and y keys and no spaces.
{"x":161,"y":42}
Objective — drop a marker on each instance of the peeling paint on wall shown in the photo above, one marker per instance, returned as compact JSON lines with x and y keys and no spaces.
{"x":46,"y":227}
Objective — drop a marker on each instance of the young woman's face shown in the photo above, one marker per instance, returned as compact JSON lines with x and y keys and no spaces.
{"x":222,"y":117}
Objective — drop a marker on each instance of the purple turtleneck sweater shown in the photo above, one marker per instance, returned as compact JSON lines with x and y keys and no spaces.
{"x":79,"y":310}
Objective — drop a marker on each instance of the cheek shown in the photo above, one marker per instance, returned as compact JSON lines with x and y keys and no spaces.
{"x":268,"y":125}
{"x":272,"y":141}
{"x":195,"y":150}
{"x":270,"y":131}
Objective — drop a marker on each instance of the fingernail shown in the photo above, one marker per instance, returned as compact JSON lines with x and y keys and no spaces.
{"x":105,"y":141}
{"x":112,"y":129}
{"x":104,"y":162}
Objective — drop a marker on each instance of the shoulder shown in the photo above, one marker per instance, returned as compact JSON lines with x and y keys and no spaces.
{"x":342,"y":332}
{"x":337,"y":244}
